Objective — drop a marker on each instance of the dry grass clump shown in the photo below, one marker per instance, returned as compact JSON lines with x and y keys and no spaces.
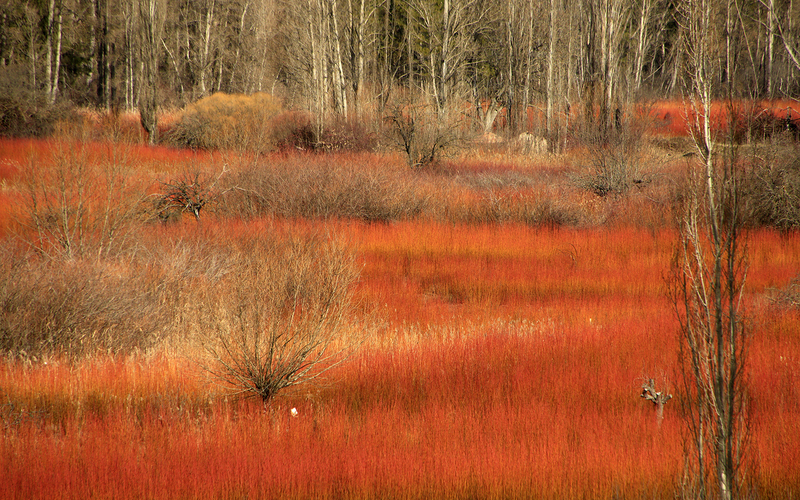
{"x":227,"y":121}
{"x":345,"y":186}
{"x":80,"y":307}
{"x":788,"y":296}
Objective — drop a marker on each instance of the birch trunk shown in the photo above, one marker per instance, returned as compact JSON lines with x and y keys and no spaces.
{"x":204,"y":62}
{"x":550,"y":64}
{"x":340,"y":82}
{"x":57,"y":65}
{"x":528,"y":66}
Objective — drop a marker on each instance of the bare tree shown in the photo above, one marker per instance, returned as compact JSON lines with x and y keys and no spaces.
{"x":710,"y":275}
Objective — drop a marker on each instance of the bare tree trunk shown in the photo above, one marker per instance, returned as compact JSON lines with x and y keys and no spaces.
{"x":31,"y":32}
{"x":641,"y":42}
{"x":340,"y":82}
{"x":237,"y":54}
{"x":92,"y":42}
{"x":48,"y":62}
{"x":360,"y":58}
{"x":129,"y":56}
{"x":150,"y":18}
{"x":528,"y":65}
{"x":770,"y":48}
{"x":410,"y":48}
{"x":791,"y":51}
{"x":511,"y":104}
{"x":550,"y":66}
{"x":204,"y":59}
{"x":57,"y":65}
{"x":53,"y":56}
{"x":445,"y":59}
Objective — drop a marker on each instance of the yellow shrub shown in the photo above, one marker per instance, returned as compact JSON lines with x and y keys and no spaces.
{"x":229,"y":121}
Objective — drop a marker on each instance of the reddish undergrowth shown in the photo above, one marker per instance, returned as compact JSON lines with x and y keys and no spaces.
{"x":507,"y":363}
{"x":510,"y":368}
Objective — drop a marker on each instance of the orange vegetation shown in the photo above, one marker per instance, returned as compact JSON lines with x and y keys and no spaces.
{"x":507,"y":363}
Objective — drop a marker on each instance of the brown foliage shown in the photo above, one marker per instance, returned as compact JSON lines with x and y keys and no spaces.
{"x":229,"y":121}
{"x":80,"y":307}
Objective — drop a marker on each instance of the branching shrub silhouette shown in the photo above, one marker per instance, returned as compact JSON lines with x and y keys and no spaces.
{"x":282,"y":315}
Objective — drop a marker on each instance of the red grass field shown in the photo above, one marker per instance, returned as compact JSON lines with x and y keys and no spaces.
{"x":508,"y":364}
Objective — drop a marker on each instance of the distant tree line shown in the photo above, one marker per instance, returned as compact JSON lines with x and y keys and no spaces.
{"x":336,"y":57}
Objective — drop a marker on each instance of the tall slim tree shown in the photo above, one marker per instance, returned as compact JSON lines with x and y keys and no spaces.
{"x":710,"y":275}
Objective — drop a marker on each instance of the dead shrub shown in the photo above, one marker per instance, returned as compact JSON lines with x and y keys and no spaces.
{"x":348,"y":135}
{"x":325,"y":187}
{"x":788,"y":296}
{"x":229,"y":121}
{"x":26,"y":116}
{"x":282,"y":317}
{"x":532,"y":207}
{"x":189,"y":193}
{"x":78,"y":202}
{"x":78,"y":308}
{"x":771,"y":189}
{"x":618,"y":159}
{"x":294,"y":130}
{"x":421,"y":134}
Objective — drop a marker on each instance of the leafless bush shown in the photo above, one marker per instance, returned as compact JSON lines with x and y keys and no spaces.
{"x":614,"y":169}
{"x":319,"y":187}
{"x":348,"y":135}
{"x":771,"y":188}
{"x":79,"y":307}
{"x":23,"y":114}
{"x":616,"y":160}
{"x":75,"y":205}
{"x":421,"y":134}
{"x":294,"y":130}
{"x":189,"y":193}
{"x":282,"y":317}
{"x":788,"y":296}
{"x":533,"y":208}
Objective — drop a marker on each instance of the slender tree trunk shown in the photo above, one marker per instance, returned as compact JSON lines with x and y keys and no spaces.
{"x":410,"y":47}
{"x":92,"y":42}
{"x":32,"y":59}
{"x":129,"y":56}
{"x":641,"y":43}
{"x":150,"y":19}
{"x":339,"y":78}
{"x":57,"y":64}
{"x":511,"y":105}
{"x":770,"y":48}
{"x":550,"y":67}
{"x":360,"y":57}
{"x":48,"y":62}
{"x":712,"y":279}
{"x":528,"y":67}
{"x":444,"y":59}
{"x":204,"y":57}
